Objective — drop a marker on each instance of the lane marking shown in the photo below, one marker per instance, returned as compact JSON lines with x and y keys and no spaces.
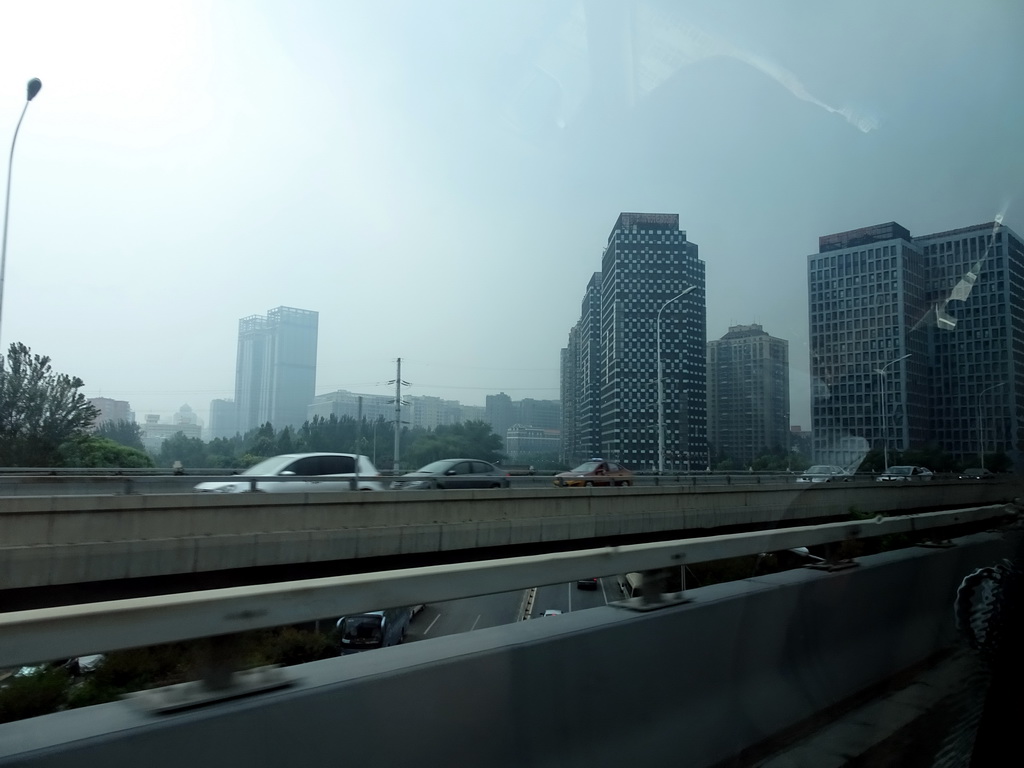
{"x":475,"y":623}
{"x":603,"y":592}
{"x":526,"y":607}
{"x":431,"y":625}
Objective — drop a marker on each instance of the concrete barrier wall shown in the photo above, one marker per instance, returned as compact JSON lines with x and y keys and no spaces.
{"x":56,"y":540}
{"x":688,"y":685}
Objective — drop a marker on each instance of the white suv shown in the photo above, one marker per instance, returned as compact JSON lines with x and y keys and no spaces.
{"x":303,"y":473}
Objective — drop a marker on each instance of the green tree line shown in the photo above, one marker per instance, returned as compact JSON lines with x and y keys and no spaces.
{"x":376,"y":439}
{"x":45,"y":421}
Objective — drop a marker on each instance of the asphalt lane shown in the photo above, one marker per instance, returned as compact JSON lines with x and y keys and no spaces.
{"x":457,"y":616}
{"x":568,"y":597}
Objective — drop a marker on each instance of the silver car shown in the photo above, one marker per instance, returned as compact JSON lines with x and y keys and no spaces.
{"x":824,"y":473}
{"x":303,"y":473}
{"x":453,"y":473}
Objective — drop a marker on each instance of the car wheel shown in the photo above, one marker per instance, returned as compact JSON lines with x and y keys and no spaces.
{"x":627,"y":483}
{"x":588,"y":484}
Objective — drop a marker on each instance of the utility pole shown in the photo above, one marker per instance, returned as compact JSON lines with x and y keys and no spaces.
{"x":359,"y":424}
{"x":398,"y":410}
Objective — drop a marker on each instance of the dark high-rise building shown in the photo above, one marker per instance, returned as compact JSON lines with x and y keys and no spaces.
{"x":916,"y":340}
{"x":748,"y":393}
{"x":569,"y":384}
{"x":223,"y":419}
{"x":647,"y":263}
{"x":275,"y":373}
{"x":500,"y":413}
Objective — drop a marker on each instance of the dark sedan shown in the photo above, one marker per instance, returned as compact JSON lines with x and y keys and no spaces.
{"x":453,"y":473}
{"x":977,"y":473}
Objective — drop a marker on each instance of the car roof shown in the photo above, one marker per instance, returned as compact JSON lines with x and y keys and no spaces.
{"x":314,"y":453}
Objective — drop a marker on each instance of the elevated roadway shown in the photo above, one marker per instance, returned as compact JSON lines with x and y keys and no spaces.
{"x":106,"y":543}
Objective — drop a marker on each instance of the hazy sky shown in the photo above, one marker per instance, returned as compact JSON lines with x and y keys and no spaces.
{"x":438,"y":179}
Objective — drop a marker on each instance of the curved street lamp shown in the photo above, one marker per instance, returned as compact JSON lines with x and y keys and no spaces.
{"x":981,"y":428}
{"x":885,"y":423}
{"x":32,"y":91}
{"x":661,"y":388}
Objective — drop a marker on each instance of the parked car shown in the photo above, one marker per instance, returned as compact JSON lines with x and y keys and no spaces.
{"x":824,"y":473}
{"x":453,"y":473}
{"x":552,"y":612}
{"x":977,"y":473}
{"x":904,"y":474}
{"x":595,"y":472}
{"x":313,"y":472}
{"x":590,"y":583}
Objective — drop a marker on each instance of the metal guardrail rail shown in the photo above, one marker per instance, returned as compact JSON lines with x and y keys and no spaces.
{"x":52,"y":633}
{"x":43,"y":481}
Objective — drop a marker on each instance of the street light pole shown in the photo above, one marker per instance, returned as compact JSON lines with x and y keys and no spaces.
{"x":885,"y":422}
{"x":661,"y":386}
{"x":31,"y":90}
{"x":981,"y":430}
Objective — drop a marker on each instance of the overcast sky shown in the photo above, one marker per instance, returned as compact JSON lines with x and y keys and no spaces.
{"x":437,"y":179}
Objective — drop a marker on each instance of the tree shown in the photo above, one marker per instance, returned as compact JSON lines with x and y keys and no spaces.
{"x":190,"y":451}
{"x":122,"y":431}
{"x":40,"y":410}
{"x":94,"y":451}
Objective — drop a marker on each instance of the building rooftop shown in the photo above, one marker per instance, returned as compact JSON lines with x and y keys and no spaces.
{"x":863,"y":236}
{"x":665,"y":221}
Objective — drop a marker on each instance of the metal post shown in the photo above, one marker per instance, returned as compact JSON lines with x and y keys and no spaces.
{"x":33,"y":88}
{"x":885,"y":421}
{"x":885,"y":427}
{"x":398,"y":412}
{"x":661,"y":386}
{"x":981,"y":429}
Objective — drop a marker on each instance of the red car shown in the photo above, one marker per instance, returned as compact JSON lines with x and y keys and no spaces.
{"x":595,"y":472}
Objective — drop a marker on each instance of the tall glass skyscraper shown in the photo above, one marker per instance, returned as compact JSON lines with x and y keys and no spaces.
{"x":647,"y":262}
{"x":916,"y":341}
{"x":275,"y":371}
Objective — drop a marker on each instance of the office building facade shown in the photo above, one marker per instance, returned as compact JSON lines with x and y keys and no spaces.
{"x":111,"y":410}
{"x":223,"y":419}
{"x":502,"y":413}
{"x":646,"y":264}
{"x":914,"y":342}
{"x":275,"y":372}
{"x":343,"y":403}
{"x":748,"y":394}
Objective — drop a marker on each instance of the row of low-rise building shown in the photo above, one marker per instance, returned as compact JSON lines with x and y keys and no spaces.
{"x":275,"y":378}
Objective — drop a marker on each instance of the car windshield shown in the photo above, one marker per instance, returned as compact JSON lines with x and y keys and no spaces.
{"x":589,"y":466}
{"x":901,"y":470}
{"x":820,"y":470}
{"x":361,"y":629}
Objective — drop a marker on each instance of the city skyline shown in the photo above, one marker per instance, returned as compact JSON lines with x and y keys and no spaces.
{"x":445,"y":205}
